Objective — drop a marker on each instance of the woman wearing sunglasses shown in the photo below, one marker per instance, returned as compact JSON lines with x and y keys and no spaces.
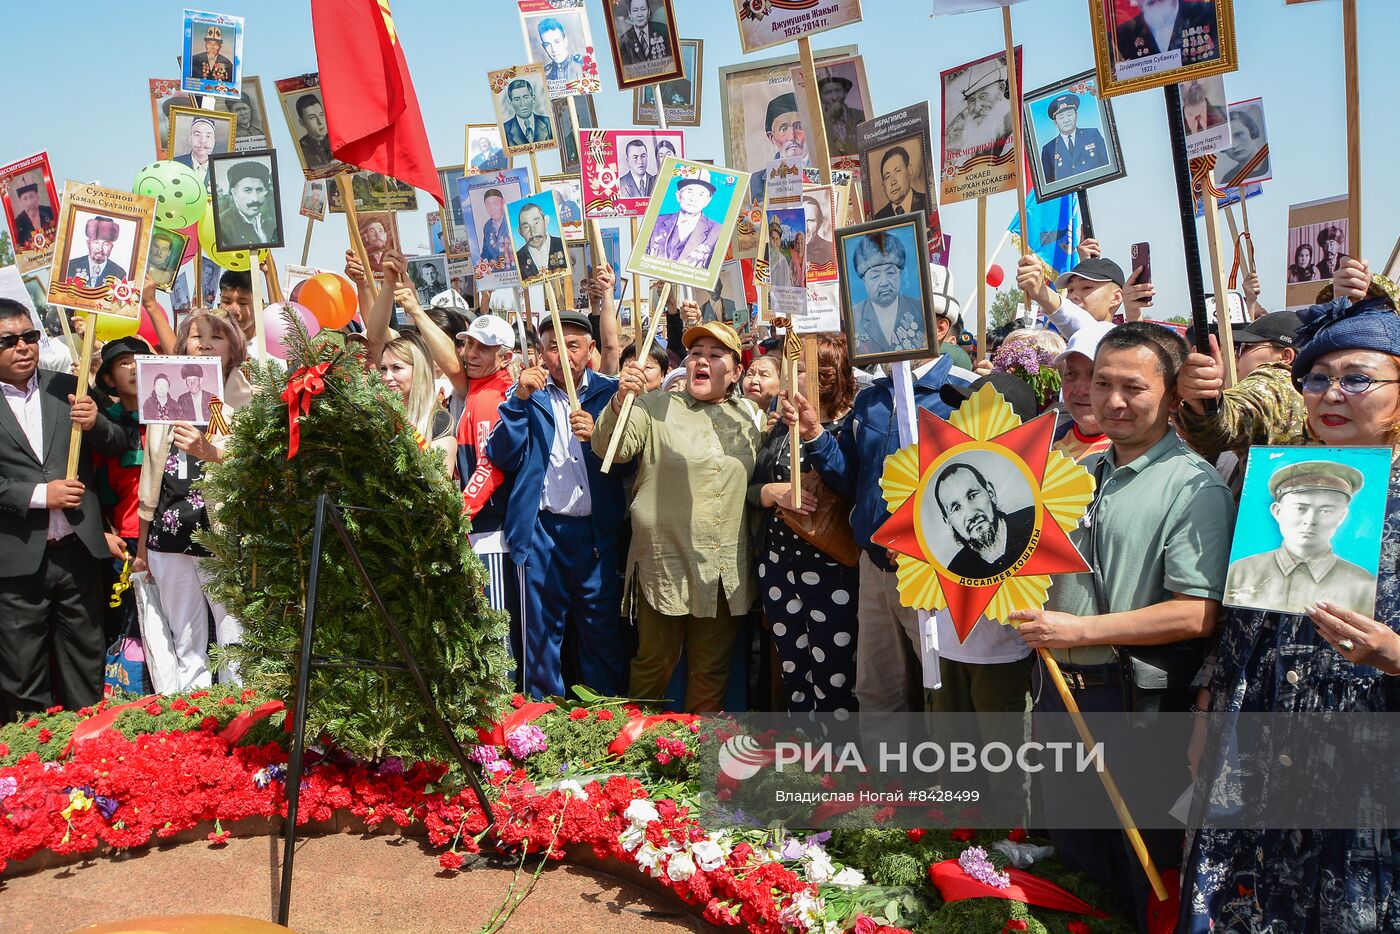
{"x":1326,"y":660}
{"x":172,"y":509}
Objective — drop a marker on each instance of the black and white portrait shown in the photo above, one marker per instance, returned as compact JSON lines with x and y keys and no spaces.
{"x":982,"y":514}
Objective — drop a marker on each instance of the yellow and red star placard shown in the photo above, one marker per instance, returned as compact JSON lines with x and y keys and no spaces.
{"x":1060,"y":488}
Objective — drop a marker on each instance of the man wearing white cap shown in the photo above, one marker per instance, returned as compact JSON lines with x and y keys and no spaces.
{"x":983,"y":125}
{"x":486,"y":348}
{"x":687,"y":236}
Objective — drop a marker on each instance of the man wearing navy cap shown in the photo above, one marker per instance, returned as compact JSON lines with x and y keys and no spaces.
{"x":248,"y":219}
{"x":1073,"y":150}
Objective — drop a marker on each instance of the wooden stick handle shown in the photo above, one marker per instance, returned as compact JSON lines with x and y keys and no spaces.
{"x":982,"y":277}
{"x":1217,"y":271}
{"x":75,"y":437}
{"x":352,"y":225}
{"x":660,"y":107}
{"x":564,"y":366}
{"x":274,"y":286}
{"x":1353,"y":99}
{"x":306,"y":244}
{"x":1119,"y":805}
{"x":1013,"y":82}
{"x":816,"y":133}
{"x":627,"y":403}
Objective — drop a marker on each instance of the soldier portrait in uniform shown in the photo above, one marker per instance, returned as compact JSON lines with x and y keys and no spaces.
{"x":885,"y":286}
{"x":33,"y":208}
{"x":1309,"y":529}
{"x":642,"y":34}
{"x":1071,"y":135}
{"x":163,"y":258}
{"x":213,"y":54}
{"x":680,"y":96}
{"x":557,"y":37}
{"x":247,"y":201}
{"x":979,"y":157}
{"x":1142,"y":44}
{"x":982,"y":515}
{"x":484,"y":151}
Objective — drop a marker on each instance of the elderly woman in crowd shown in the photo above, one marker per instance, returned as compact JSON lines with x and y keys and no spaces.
{"x":172,"y":510}
{"x":763,"y":380}
{"x":689,"y":569}
{"x":1325,"y":659}
{"x":808,"y":593}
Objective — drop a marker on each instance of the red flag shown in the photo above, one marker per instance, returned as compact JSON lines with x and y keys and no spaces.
{"x":371,"y":109}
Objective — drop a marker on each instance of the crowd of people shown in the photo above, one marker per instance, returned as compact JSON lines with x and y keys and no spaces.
{"x":690,"y":573}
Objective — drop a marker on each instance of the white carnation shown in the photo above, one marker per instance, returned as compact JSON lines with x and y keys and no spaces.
{"x":709,"y":855}
{"x":680,"y":867}
{"x":641,"y":812}
{"x":848,"y":878}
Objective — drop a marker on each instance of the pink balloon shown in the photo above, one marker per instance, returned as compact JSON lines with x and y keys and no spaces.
{"x":192,"y":231}
{"x":275,"y":326}
{"x":995,"y":275}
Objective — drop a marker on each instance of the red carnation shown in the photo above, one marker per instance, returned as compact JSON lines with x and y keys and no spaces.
{"x":45,"y":735}
{"x":56,"y":709}
{"x":4,"y":750}
{"x":218,"y":838}
{"x":198,"y":694}
{"x":1077,"y":927}
{"x":578,"y":713}
{"x":605,"y":714}
{"x":1017,"y":835}
{"x":915,"y":834}
{"x":179,"y":703}
{"x":451,"y":860}
{"x":517,"y":701}
{"x":964,"y":834}
{"x":154,"y":709}
{"x":209,"y":724}
{"x":1015,"y":924}
{"x":31,"y":723}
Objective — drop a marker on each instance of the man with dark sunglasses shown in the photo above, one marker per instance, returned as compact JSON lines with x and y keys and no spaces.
{"x":52,"y":542}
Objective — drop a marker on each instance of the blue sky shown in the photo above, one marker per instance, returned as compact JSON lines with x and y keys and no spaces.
{"x":89,"y":109}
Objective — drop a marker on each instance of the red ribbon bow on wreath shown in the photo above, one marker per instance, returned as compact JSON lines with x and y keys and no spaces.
{"x":304,"y":384}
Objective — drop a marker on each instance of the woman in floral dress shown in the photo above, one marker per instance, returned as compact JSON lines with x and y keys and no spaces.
{"x":172,"y":509}
{"x":1326,"y":660}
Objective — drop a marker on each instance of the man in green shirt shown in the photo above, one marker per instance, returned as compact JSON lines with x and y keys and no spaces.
{"x":1157,"y":538}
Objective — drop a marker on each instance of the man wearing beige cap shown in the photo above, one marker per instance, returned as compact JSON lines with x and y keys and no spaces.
{"x":1311,"y":500}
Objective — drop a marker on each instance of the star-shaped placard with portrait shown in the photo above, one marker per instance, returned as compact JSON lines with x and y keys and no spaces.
{"x":981,"y":508}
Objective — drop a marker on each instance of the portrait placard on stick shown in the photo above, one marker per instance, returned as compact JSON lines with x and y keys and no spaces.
{"x":484,"y":149}
{"x":782,"y":265}
{"x":845,"y":102}
{"x":764,"y":25}
{"x":247,"y":201}
{"x":1246,"y":161}
{"x":522,"y":109}
{"x":163,"y":260}
{"x":173,"y":390}
{"x":822,"y":206}
{"x":165,"y":93}
{"x":213,"y":54}
{"x":979,"y":151}
{"x":642,"y":36}
{"x":1204,"y":115}
{"x":535,"y":235}
{"x":1319,"y":234}
{"x":620,"y":168}
{"x":885,"y":309}
{"x":897,"y":171}
{"x":568,"y":198}
{"x":557,"y":37}
{"x":680,"y":96}
{"x":379,"y":231}
{"x":313,"y":200}
{"x":31,"y":209}
{"x":196,"y":134}
{"x":250,"y":115}
{"x":484,"y":199}
{"x":375,"y":192}
{"x":306,"y":118}
{"x":1198,"y":35}
{"x":100,"y":258}
{"x":454,"y":227}
{"x":688,"y":223}
{"x":1071,"y":139}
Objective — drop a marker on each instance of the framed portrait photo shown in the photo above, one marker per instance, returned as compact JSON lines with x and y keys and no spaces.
{"x":374,"y":192}
{"x":1071,"y":139}
{"x":568,"y":133}
{"x":557,"y":38}
{"x":620,"y":168}
{"x":250,"y":116}
{"x":1246,"y":160}
{"x":100,"y":255}
{"x":172,"y":390}
{"x":897,"y":172}
{"x":540,"y":253}
{"x":484,"y":150}
{"x":454,"y":228}
{"x":688,"y":223}
{"x":213,"y":54}
{"x":429,"y":277}
{"x":522,"y":109}
{"x":30,"y":201}
{"x":568,"y":197}
{"x":196,"y":135}
{"x":436,"y":242}
{"x":1319,"y":235}
{"x":484,"y":199}
{"x":379,"y":231}
{"x":1309,"y":529}
{"x":764,"y":25}
{"x":306,"y":118}
{"x":165,"y":94}
{"x":165,"y":256}
{"x":845,"y":102}
{"x":885,"y":309}
{"x":643,"y":40}
{"x":979,"y":152}
{"x":680,"y":96}
{"x":313,"y":199}
{"x":1141,"y":44}
{"x":247,"y":201}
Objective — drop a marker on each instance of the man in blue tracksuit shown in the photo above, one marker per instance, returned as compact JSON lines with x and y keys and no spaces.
{"x":888,"y":652}
{"x":562,"y":520}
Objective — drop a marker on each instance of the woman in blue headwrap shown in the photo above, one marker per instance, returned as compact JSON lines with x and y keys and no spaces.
{"x":1326,"y":660}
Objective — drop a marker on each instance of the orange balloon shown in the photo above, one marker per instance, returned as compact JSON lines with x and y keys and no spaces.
{"x":329,"y":297}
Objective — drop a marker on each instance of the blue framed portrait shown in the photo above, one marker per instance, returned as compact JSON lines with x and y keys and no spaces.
{"x":1071,"y":139}
{"x":885,"y":310}
{"x":212,"y":63}
{"x":484,"y":199}
{"x":1309,"y":529}
{"x":540,"y":249}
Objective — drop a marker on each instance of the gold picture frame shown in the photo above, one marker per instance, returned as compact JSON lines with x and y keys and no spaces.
{"x":1221,"y":34}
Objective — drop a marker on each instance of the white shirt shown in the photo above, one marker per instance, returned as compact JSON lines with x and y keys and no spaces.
{"x":566,"y":491}
{"x":541,"y":257}
{"x":685,"y":225}
{"x":27,"y":406}
{"x":527,"y":127}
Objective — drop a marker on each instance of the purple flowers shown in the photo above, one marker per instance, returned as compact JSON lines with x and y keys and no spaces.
{"x":974,"y":862}
{"x":170,"y":521}
{"x":195,"y":499}
{"x":484,"y":755}
{"x":524,"y":741}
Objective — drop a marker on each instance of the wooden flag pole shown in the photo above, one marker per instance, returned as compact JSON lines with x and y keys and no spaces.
{"x":564,"y":366}
{"x":352,"y":225}
{"x":1017,"y":133}
{"x":817,"y":135}
{"x":1217,"y":271}
{"x":75,"y":436}
{"x":1109,"y":785}
{"x":642,"y":352}
{"x":982,"y":277}
{"x":1353,"y":99}
{"x":660,"y":107}
{"x":306,"y":244}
